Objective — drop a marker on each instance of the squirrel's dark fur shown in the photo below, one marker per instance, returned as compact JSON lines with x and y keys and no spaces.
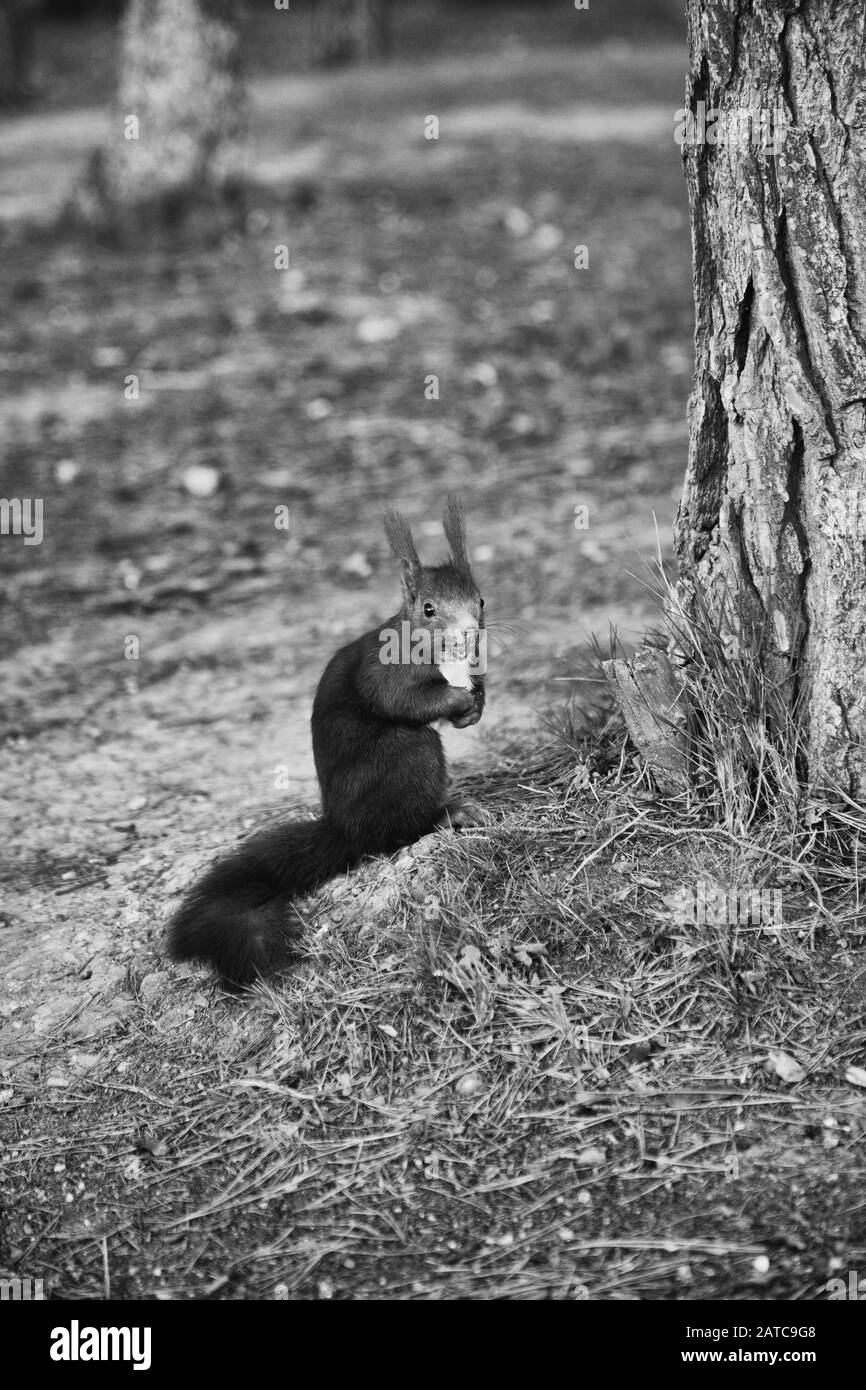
{"x":380,"y":764}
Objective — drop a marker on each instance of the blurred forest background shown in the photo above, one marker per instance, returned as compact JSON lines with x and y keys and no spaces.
{"x":62,"y":52}
{"x":166,"y":389}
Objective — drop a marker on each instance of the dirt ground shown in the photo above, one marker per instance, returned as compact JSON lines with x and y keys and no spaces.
{"x":305,"y":388}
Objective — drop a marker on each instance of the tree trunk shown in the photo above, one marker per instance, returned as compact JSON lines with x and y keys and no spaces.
{"x":178,"y":113}
{"x":344,"y":31}
{"x":772,"y":523}
{"x":16,"y":50}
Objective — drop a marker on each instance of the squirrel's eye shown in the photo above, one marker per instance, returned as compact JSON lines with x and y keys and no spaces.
{"x":429,"y":610}
{"x":480,"y":601}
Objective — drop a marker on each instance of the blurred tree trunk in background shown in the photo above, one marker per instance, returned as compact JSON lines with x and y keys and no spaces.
{"x":16,"y":49}
{"x":772,"y":523}
{"x":179,"y":107}
{"x":345,"y":31}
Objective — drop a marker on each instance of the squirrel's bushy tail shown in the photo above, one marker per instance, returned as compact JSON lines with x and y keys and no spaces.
{"x":238,"y":917}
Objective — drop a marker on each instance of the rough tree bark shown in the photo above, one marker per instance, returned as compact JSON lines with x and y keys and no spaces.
{"x":774,"y":508}
{"x":178,"y":113}
{"x":345,"y":31}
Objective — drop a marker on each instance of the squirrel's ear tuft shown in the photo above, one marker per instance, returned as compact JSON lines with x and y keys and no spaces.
{"x":454,"y":527}
{"x":402,"y":545}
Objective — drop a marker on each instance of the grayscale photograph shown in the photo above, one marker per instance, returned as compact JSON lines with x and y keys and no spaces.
{"x":433,"y":630}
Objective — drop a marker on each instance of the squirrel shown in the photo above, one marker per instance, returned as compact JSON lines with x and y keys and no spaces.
{"x":380,"y":764}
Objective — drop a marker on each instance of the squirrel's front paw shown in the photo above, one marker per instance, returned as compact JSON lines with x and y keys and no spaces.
{"x":462,"y":703}
{"x":464,"y":718}
{"x":462,"y":721}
